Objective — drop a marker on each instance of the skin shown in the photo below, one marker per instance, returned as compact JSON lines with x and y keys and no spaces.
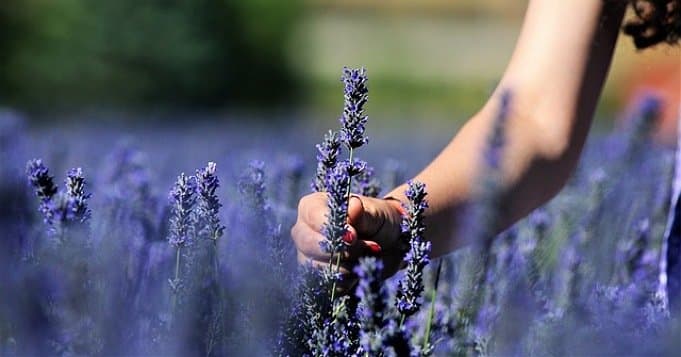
{"x":556,"y":76}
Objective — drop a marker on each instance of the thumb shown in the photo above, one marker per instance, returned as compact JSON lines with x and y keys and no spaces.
{"x":374,"y":219}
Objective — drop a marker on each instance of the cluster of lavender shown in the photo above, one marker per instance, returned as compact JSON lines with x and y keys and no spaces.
{"x":59,"y":209}
{"x":368,"y":322}
{"x":598,"y":263}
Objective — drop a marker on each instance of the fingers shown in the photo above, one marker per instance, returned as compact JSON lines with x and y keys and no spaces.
{"x":312,"y":210}
{"x":374,"y":219}
{"x":307,"y":243}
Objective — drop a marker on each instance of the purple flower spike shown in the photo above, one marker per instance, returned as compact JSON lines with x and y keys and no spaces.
{"x":75,"y":186}
{"x":183,"y":200}
{"x":353,"y":120}
{"x":208,"y":203}
{"x":410,"y":288}
{"x":336,"y":226}
{"x":327,"y":157}
{"x":39,"y":177}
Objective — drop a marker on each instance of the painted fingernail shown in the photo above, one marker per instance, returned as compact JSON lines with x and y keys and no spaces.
{"x":374,"y":247}
{"x":348,"y":238}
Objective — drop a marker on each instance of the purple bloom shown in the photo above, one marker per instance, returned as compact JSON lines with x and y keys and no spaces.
{"x":336,"y":226}
{"x":208,"y":209}
{"x":353,"y":120}
{"x":371,"y":293}
{"x":63,"y":209}
{"x":75,"y":187}
{"x":327,"y":157}
{"x":39,"y":177}
{"x":410,"y":288}
{"x":366,"y":183}
{"x":183,"y":200}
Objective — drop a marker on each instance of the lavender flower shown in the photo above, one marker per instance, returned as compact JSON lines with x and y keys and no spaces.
{"x":336,"y":225}
{"x":373,"y":298}
{"x":39,"y":177}
{"x":366,"y":183}
{"x":208,"y":209}
{"x":63,"y":209}
{"x":75,"y":188}
{"x":410,"y":289}
{"x":353,"y":119}
{"x":379,"y":334}
{"x":183,"y":200}
{"x":327,"y":157}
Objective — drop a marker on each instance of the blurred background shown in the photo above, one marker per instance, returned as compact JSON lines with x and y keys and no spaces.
{"x":434,"y":60}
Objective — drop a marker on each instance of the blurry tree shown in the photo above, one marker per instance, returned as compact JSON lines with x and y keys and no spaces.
{"x":68,"y":53}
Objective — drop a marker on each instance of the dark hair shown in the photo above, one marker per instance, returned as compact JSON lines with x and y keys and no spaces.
{"x":656,"y":21}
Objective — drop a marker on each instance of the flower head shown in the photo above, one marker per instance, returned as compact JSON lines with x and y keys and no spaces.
{"x":410,"y":288}
{"x":336,"y":226}
{"x":39,"y":177}
{"x":327,"y":157}
{"x":183,"y":200}
{"x":75,"y":188}
{"x":353,"y":120}
{"x":208,"y":210}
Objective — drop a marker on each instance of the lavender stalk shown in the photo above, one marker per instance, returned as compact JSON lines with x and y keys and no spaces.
{"x":183,"y":200}
{"x":410,"y":288}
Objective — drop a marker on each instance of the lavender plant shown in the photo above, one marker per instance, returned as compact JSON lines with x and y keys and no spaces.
{"x":410,"y":289}
{"x":181,"y":234}
{"x":586,"y":267}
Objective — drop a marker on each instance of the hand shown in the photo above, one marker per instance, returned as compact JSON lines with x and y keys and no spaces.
{"x":374,"y":230}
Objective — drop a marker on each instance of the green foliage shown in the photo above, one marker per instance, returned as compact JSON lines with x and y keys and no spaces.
{"x":98,"y":52}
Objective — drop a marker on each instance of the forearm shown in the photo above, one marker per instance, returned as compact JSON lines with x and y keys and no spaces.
{"x":555,"y":79}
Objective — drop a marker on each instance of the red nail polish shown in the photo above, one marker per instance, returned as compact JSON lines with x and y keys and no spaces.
{"x":348,"y":238}
{"x":375,"y":248}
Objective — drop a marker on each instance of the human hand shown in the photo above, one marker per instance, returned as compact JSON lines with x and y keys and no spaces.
{"x":373,"y":230}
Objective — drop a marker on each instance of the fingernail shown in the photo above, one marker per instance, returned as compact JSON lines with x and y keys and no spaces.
{"x":374,"y":247}
{"x":348,"y":238}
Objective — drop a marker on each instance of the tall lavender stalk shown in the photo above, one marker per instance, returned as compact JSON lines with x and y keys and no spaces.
{"x":183,"y":200}
{"x":410,"y":288}
{"x":336,"y":225}
{"x":208,"y":208}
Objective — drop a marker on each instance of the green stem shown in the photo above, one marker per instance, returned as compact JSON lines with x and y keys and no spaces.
{"x":177,"y":277}
{"x":431,"y":313}
{"x":337,"y":267}
{"x":216,"y":261}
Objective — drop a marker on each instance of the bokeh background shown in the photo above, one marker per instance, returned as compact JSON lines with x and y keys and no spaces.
{"x":428,"y":60}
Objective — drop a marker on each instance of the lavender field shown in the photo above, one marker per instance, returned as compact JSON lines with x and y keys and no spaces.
{"x":175,"y":241}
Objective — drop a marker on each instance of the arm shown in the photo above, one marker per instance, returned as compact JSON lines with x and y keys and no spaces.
{"x":556,"y":75}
